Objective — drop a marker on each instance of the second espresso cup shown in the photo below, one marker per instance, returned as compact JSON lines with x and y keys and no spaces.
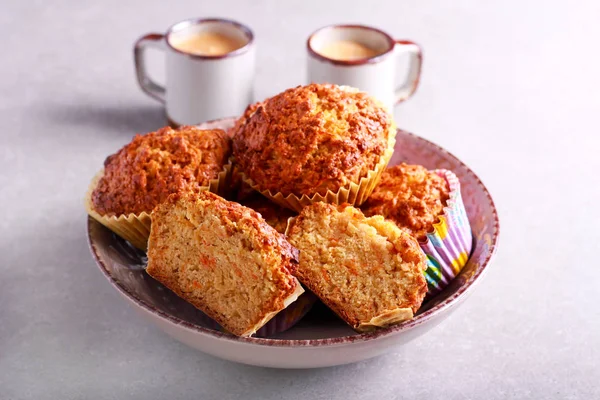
{"x":363,"y":57}
{"x":209,"y":69}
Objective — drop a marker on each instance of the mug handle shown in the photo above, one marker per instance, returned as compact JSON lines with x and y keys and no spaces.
{"x":149,"y":86}
{"x":414,"y":72}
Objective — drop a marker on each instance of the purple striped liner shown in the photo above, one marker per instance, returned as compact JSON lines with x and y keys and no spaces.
{"x":449,"y":245}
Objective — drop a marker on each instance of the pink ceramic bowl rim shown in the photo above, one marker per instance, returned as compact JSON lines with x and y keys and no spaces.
{"x":440,"y":308}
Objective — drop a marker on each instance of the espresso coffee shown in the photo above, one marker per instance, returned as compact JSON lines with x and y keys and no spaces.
{"x":347,"y":50}
{"x":207,"y":44}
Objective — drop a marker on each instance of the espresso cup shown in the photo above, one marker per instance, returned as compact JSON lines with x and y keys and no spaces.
{"x":209,"y":69}
{"x":366,"y":58}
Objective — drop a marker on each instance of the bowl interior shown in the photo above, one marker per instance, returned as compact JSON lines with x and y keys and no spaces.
{"x":124,"y":265}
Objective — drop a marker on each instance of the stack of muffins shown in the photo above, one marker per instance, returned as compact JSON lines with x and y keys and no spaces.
{"x":240,"y":223}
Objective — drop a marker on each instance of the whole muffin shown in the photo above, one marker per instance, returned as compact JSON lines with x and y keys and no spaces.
{"x":411,"y":196}
{"x":314,"y":140}
{"x":146,"y":171}
{"x":152,"y":166}
{"x":366,"y":270}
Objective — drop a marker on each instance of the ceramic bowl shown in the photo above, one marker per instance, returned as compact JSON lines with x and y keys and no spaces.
{"x":320,"y":339}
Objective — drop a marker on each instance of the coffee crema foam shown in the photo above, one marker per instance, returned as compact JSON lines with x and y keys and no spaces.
{"x":347,"y":50}
{"x":207,"y":44}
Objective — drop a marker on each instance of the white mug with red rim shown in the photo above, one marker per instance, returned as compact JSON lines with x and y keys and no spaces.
{"x":377,"y":75}
{"x":200,"y":88}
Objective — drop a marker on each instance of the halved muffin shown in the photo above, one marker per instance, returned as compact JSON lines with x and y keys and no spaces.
{"x":313,"y":143}
{"x":429,"y":206}
{"x":224,"y":259}
{"x":147,"y":170}
{"x":366,"y":270}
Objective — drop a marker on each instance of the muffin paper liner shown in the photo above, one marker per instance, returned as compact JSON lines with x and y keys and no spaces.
{"x":135,"y":228}
{"x":281,"y":322}
{"x":354,"y":194}
{"x":449,"y":245}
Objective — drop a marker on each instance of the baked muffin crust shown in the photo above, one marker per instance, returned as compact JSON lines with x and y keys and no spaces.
{"x":152,"y":166}
{"x":411,"y":196}
{"x":311,"y":139}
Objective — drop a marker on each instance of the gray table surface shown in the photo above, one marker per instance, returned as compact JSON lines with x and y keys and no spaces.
{"x":510,"y":87}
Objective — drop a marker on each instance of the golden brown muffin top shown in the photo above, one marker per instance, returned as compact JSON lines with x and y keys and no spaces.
{"x":273,"y":214}
{"x":411,"y":196}
{"x":342,"y":254}
{"x":152,"y":166}
{"x":311,"y":139}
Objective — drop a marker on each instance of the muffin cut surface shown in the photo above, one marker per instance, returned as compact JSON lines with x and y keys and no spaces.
{"x":224,"y":259}
{"x":365,"y":269}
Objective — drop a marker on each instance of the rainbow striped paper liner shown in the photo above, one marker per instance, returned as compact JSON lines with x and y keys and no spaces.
{"x":281,"y":322}
{"x":448,"y":247}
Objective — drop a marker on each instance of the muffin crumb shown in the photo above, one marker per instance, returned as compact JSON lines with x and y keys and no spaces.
{"x":365,"y":269}
{"x":224,"y":259}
